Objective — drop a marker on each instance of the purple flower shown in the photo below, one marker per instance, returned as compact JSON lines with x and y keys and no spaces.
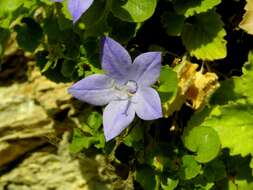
{"x":125,"y":87}
{"x":77,"y":7}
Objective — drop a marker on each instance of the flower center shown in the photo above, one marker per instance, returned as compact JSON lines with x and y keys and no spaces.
{"x":132,"y":87}
{"x":126,"y":91}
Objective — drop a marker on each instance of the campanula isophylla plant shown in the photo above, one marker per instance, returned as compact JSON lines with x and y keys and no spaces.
{"x":125,"y":87}
{"x":199,"y":98}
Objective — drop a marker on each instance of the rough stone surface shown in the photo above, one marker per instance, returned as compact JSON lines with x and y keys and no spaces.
{"x":28,"y":102}
{"x":52,"y":169}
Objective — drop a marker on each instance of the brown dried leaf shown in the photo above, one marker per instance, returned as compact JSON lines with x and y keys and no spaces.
{"x":247,"y":22}
{"x":186,"y":74}
{"x":202,"y":88}
{"x":195,"y":88}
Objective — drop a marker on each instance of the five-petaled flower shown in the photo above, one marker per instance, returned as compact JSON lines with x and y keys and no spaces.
{"x":125,"y":87}
{"x":77,"y":7}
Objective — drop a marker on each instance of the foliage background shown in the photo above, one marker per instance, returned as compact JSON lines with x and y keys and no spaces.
{"x":204,"y":141}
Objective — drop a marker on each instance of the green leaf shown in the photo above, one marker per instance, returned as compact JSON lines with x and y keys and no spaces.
{"x":91,"y":121}
{"x":89,"y":58}
{"x":65,"y":10}
{"x":50,"y":63}
{"x":171,"y":184}
{"x":94,"y":120}
{"x":242,"y":84}
{"x":96,"y":12}
{"x":11,"y":10}
{"x":233,"y":123}
{"x":207,"y":186}
{"x":215,"y":170}
{"x":168,"y":84}
{"x":89,"y":133}
{"x":204,"y":37}
{"x":121,"y":31}
{"x":135,"y":137}
{"x":240,"y":184}
{"x":233,"y":120}
{"x":94,"y":21}
{"x":190,"y":7}
{"x":173,"y":23}
{"x":202,"y":140}
{"x":79,"y":141}
{"x":132,"y":10}
{"x":100,"y":28}
{"x":29,"y":34}
{"x":67,"y":68}
{"x":7,"y":6}
{"x":53,"y":74}
{"x":64,"y":22}
{"x":237,"y":88}
{"x":52,"y":30}
{"x":225,"y":93}
{"x":146,"y":177}
{"x":190,"y":168}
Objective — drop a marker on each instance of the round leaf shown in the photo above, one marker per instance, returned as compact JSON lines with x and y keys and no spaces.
{"x":202,"y":140}
{"x":190,"y":167}
{"x":190,"y":7}
{"x":204,"y":37}
{"x":132,"y":10}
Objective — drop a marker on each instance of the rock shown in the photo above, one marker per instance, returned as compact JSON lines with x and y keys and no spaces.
{"x":22,"y":123}
{"x":11,"y":150}
{"x":27,"y":114}
{"x":58,"y":170}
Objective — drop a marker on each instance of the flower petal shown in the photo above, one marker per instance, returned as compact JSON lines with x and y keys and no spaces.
{"x":115,"y":59}
{"x":116,"y":117}
{"x":95,"y":89}
{"x":147,"y":104}
{"x":146,"y":68}
{"x":78,"y":7}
